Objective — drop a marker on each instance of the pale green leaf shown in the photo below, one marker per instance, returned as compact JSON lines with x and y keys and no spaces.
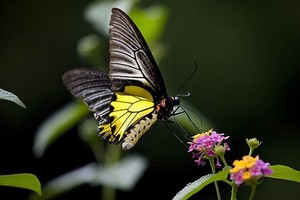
{"x":151,"y":21}
{"x":58,"y":124}
{"x":122,"y":175}
{"x":11,"y":97}
{"x":192,"y":188}
{"x":25,"y":181}
{"x":99,"y":12}
{"x":285,"y":173}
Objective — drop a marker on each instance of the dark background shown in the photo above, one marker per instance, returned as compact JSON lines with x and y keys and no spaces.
{"x":247,"y":84}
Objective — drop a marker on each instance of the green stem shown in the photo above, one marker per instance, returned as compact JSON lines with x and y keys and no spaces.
{"x":98,"y":151}
{"x":108,"y":193}
{"x":251,"y":151}
{"x":253,"y":190}
{"x":233,"y":192}
{"x":112,"y":156}
{"x":212,"y":165}
{"x":224,"y":161}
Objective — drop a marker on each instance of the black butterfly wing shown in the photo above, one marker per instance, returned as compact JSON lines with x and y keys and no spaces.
{"x":94,"y":87}
{"x":131,"y":61}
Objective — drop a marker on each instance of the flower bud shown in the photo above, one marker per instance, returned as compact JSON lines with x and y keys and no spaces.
{"x":253,"y":143}
{"x":220,"y":150}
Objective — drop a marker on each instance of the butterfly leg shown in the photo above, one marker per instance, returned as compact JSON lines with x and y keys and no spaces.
{"x":187,"y":137}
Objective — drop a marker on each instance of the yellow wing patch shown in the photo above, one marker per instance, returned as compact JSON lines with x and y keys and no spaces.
{"x":128,"y":108}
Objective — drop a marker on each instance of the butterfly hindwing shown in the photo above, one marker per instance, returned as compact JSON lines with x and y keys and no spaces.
{"x":126,"y":111}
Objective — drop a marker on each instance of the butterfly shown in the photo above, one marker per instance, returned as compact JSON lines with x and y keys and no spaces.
{"x":132,"y":96}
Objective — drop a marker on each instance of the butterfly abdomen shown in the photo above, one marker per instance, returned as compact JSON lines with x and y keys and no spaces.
{"x":138,"y":130}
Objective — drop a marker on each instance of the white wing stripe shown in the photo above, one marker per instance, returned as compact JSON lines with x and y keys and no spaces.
{"x":120,"y":46}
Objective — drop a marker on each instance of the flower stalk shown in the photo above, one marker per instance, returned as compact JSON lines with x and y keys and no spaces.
{"x":213,"y":168}
{"x":253,"y":190}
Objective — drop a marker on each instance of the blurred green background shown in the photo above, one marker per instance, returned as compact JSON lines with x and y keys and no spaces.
{"x":247,"y":85}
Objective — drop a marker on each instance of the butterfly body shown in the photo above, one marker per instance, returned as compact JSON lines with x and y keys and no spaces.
{"x":138,"y":130}
{"x":132,"y":96}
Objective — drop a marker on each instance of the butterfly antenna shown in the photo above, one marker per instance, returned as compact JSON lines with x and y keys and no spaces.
{"x":177,"y":112}
{"x":187,"y":80}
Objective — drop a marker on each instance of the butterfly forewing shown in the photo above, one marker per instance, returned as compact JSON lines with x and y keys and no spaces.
{"x":131,"y":61}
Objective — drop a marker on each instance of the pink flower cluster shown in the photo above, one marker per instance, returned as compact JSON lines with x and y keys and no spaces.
{"x":204,"y":146}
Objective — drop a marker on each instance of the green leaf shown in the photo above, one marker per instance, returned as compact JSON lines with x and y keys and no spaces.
{"x":151,"y":21}
{"x":192,"y":188}
{"x":98,"y":13}
{"x":90,"y":48}
{"x":285,"y":173}
{"x":25,"y":181}
{"x":11,"y":97}
{"x":58,"y":124}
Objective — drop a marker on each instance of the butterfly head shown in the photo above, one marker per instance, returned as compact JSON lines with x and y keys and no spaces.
{"x":176,"y":101}
{"x":165,"y":106}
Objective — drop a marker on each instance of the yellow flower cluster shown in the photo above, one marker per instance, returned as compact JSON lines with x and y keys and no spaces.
{"x":199,"y":135}
{"x":245,"y":164}
{"x":249,"y":168}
